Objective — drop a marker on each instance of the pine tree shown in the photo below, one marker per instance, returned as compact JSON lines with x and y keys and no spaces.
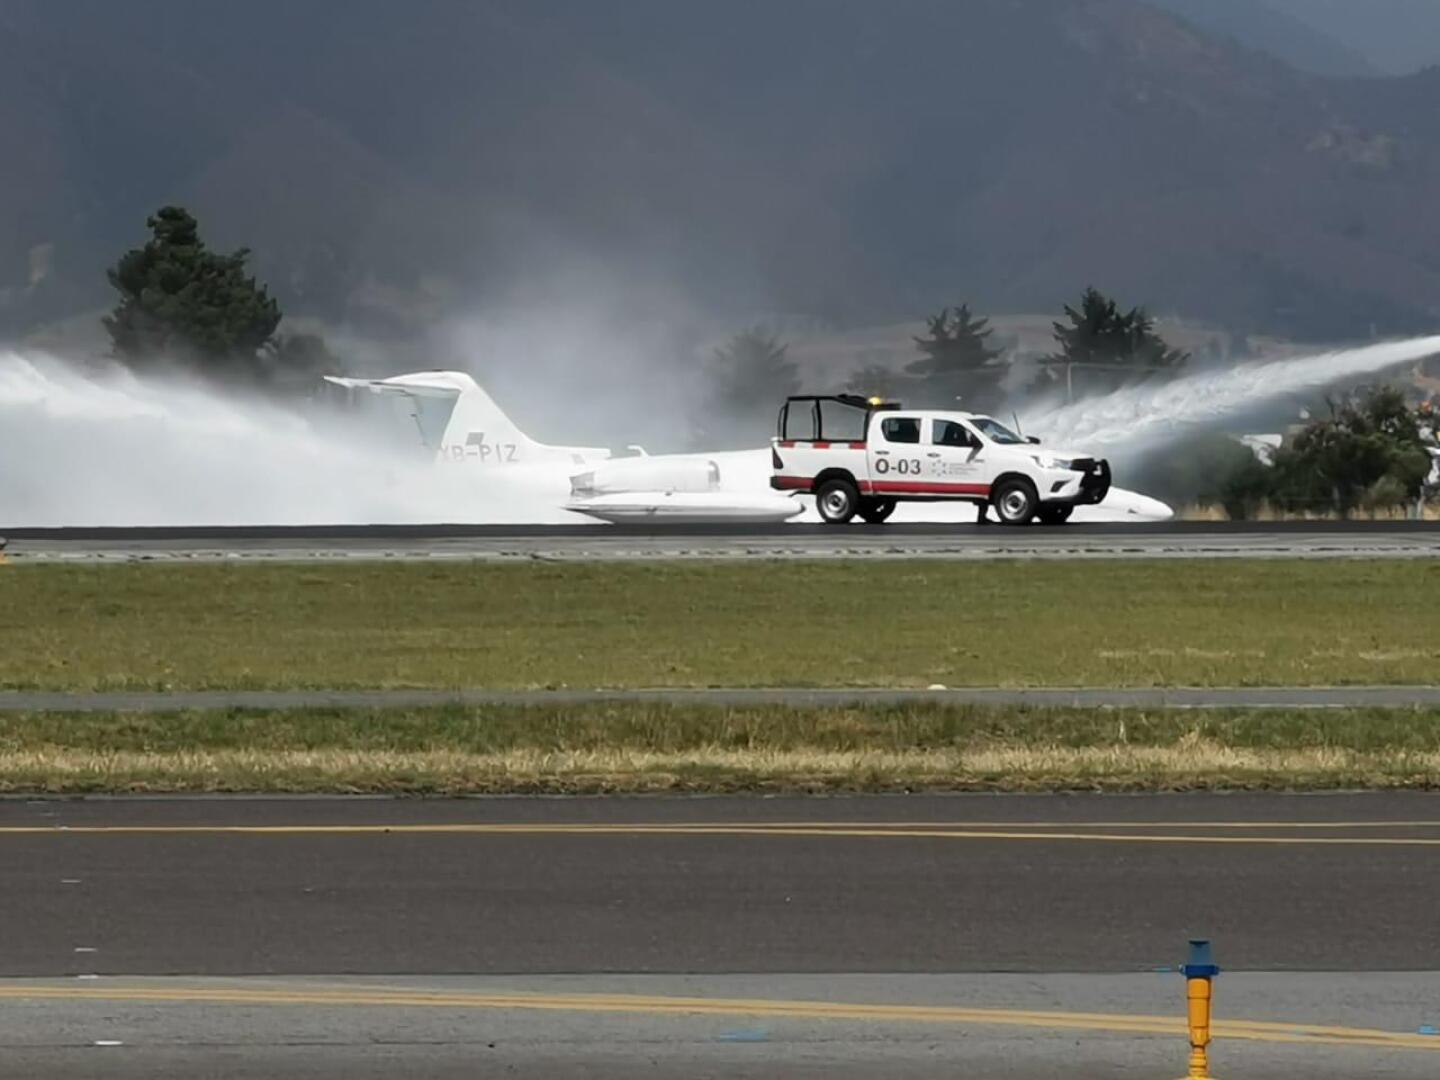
{"x":958,"y":361}
{"x":752,"y":369}
{"x":1111,"y":348}
{"x":750,"y":374}
{"x":181,"y":303}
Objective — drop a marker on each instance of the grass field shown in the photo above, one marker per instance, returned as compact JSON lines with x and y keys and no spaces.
{"x":675,"y":748}
{"x":903,"y":623}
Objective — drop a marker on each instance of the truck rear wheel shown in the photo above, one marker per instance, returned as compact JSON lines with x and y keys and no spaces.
{"x":1054,"y":513}
{"x":837,"y":500}
{"x":874,"y":511}
{"x":1014,"y":501}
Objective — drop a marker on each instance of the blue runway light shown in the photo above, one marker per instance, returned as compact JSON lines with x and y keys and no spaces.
{"x":1201,"y":964}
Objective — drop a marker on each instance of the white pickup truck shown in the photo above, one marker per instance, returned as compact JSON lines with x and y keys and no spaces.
{"x":862,"y":455}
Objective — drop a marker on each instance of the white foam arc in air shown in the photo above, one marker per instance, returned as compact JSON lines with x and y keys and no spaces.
{"x":104,"y":447}
{"x":1149,"y":414}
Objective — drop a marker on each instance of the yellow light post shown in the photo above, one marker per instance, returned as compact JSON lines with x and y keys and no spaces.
{"x":1199,"y":970}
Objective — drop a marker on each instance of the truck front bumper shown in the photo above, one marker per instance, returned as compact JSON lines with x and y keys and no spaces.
{"x":1084,"y":485}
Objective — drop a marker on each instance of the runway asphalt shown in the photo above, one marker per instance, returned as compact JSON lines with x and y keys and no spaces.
{"x":1233,"y":697}
{"x":497,"y":886}
{"x":849,"y":937}
{"x":593,"y":542}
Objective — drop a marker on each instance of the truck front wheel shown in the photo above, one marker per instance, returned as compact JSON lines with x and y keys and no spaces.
{"x":837,"y":501}
{"x":1014,"y":501}
{"x":874,"y":511}
{"x":1054,"y":513}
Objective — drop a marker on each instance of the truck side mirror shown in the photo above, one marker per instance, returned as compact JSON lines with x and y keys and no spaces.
{"x":1035,"y":439}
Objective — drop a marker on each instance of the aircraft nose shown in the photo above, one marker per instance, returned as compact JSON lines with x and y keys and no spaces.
{"x":1153,"y":509}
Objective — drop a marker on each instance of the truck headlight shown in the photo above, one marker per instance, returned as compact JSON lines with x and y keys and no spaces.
{"x":1045,"y":461}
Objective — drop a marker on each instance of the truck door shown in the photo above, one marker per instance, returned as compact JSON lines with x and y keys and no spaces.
{"x":955,"y":460}
{"x":894,"y":455}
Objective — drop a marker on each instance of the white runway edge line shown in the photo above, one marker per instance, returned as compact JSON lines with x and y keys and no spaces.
{"x":1075,"y":697}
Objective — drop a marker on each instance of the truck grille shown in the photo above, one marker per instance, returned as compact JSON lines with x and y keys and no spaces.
{"x":1095,"y":484}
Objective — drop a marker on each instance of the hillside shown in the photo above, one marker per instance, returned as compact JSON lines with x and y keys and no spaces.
{"x":1399,"y":37}
{"x":1286,"y":34}
{"x":838,"y":159}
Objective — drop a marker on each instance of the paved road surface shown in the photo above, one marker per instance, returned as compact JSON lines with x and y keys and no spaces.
{"x":510,"y":542}
{"x":1324,"y":697}
{"x":898,"y":902}
{"x":617,"y":1027}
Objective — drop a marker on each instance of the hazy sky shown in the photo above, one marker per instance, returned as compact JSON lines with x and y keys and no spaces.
{"x":1396,"y":36}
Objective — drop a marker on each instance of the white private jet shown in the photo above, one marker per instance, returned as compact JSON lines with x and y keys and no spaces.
{"x":461,"y":423}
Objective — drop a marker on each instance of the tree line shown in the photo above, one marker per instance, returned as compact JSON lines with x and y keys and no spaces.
{"x":1371,"y":453}
{"x":182,"y":304}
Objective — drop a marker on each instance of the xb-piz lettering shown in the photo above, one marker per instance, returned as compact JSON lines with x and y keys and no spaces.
{"x":476,"y":447}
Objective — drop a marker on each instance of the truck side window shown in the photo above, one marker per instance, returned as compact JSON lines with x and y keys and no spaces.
{"x":949,"y":433}
{"x":842,"y":422}
{"x":900,"y":429}
{"x":799,"y":421}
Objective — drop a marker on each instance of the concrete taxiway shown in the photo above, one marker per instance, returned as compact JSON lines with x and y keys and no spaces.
{"x":1009,"y":936}
{"x":856,"y":1026}
{"x":598,"y":542}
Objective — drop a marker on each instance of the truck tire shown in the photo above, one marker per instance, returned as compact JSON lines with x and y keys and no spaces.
{"x":837,"y":500}
{"x":1015,"y":501}
{"x":1054,"y":513}
{"x":874,"y":511}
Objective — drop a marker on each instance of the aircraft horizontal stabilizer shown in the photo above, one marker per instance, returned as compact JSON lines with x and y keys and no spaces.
{"x":387,"y":386}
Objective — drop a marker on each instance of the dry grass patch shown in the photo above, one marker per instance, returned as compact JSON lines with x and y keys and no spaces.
{"x":1046,"y":768}
{"x":694,"y":748}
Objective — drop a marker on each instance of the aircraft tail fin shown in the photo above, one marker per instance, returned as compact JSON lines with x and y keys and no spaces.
{"x":459,"y":420}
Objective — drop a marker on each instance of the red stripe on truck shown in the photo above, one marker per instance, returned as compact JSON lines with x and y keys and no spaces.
{"x":791,"y":483}
{"x":919,"y":487}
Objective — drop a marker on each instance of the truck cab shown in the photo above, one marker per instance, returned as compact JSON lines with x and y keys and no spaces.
{"x":862,"y":456}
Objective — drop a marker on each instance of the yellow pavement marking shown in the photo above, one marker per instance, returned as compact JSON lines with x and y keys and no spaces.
{"x":966,"y":831}
{"x":1250,"y":1030}
{"x":1370,"y":824}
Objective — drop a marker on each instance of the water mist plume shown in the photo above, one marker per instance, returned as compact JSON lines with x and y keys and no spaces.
{"x":1144,"y":416}
{"x":109,"y":448}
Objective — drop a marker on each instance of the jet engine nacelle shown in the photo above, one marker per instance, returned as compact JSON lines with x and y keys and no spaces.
{"x":647,"y":474}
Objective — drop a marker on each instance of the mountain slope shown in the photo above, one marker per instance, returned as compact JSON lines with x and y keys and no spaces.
{"x":1260,"y":24}
{"x":1399,"y":37}
{"x":836,"y":158}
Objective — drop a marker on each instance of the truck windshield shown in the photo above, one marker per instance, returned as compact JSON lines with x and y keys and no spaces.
{"x":994,"y":430}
